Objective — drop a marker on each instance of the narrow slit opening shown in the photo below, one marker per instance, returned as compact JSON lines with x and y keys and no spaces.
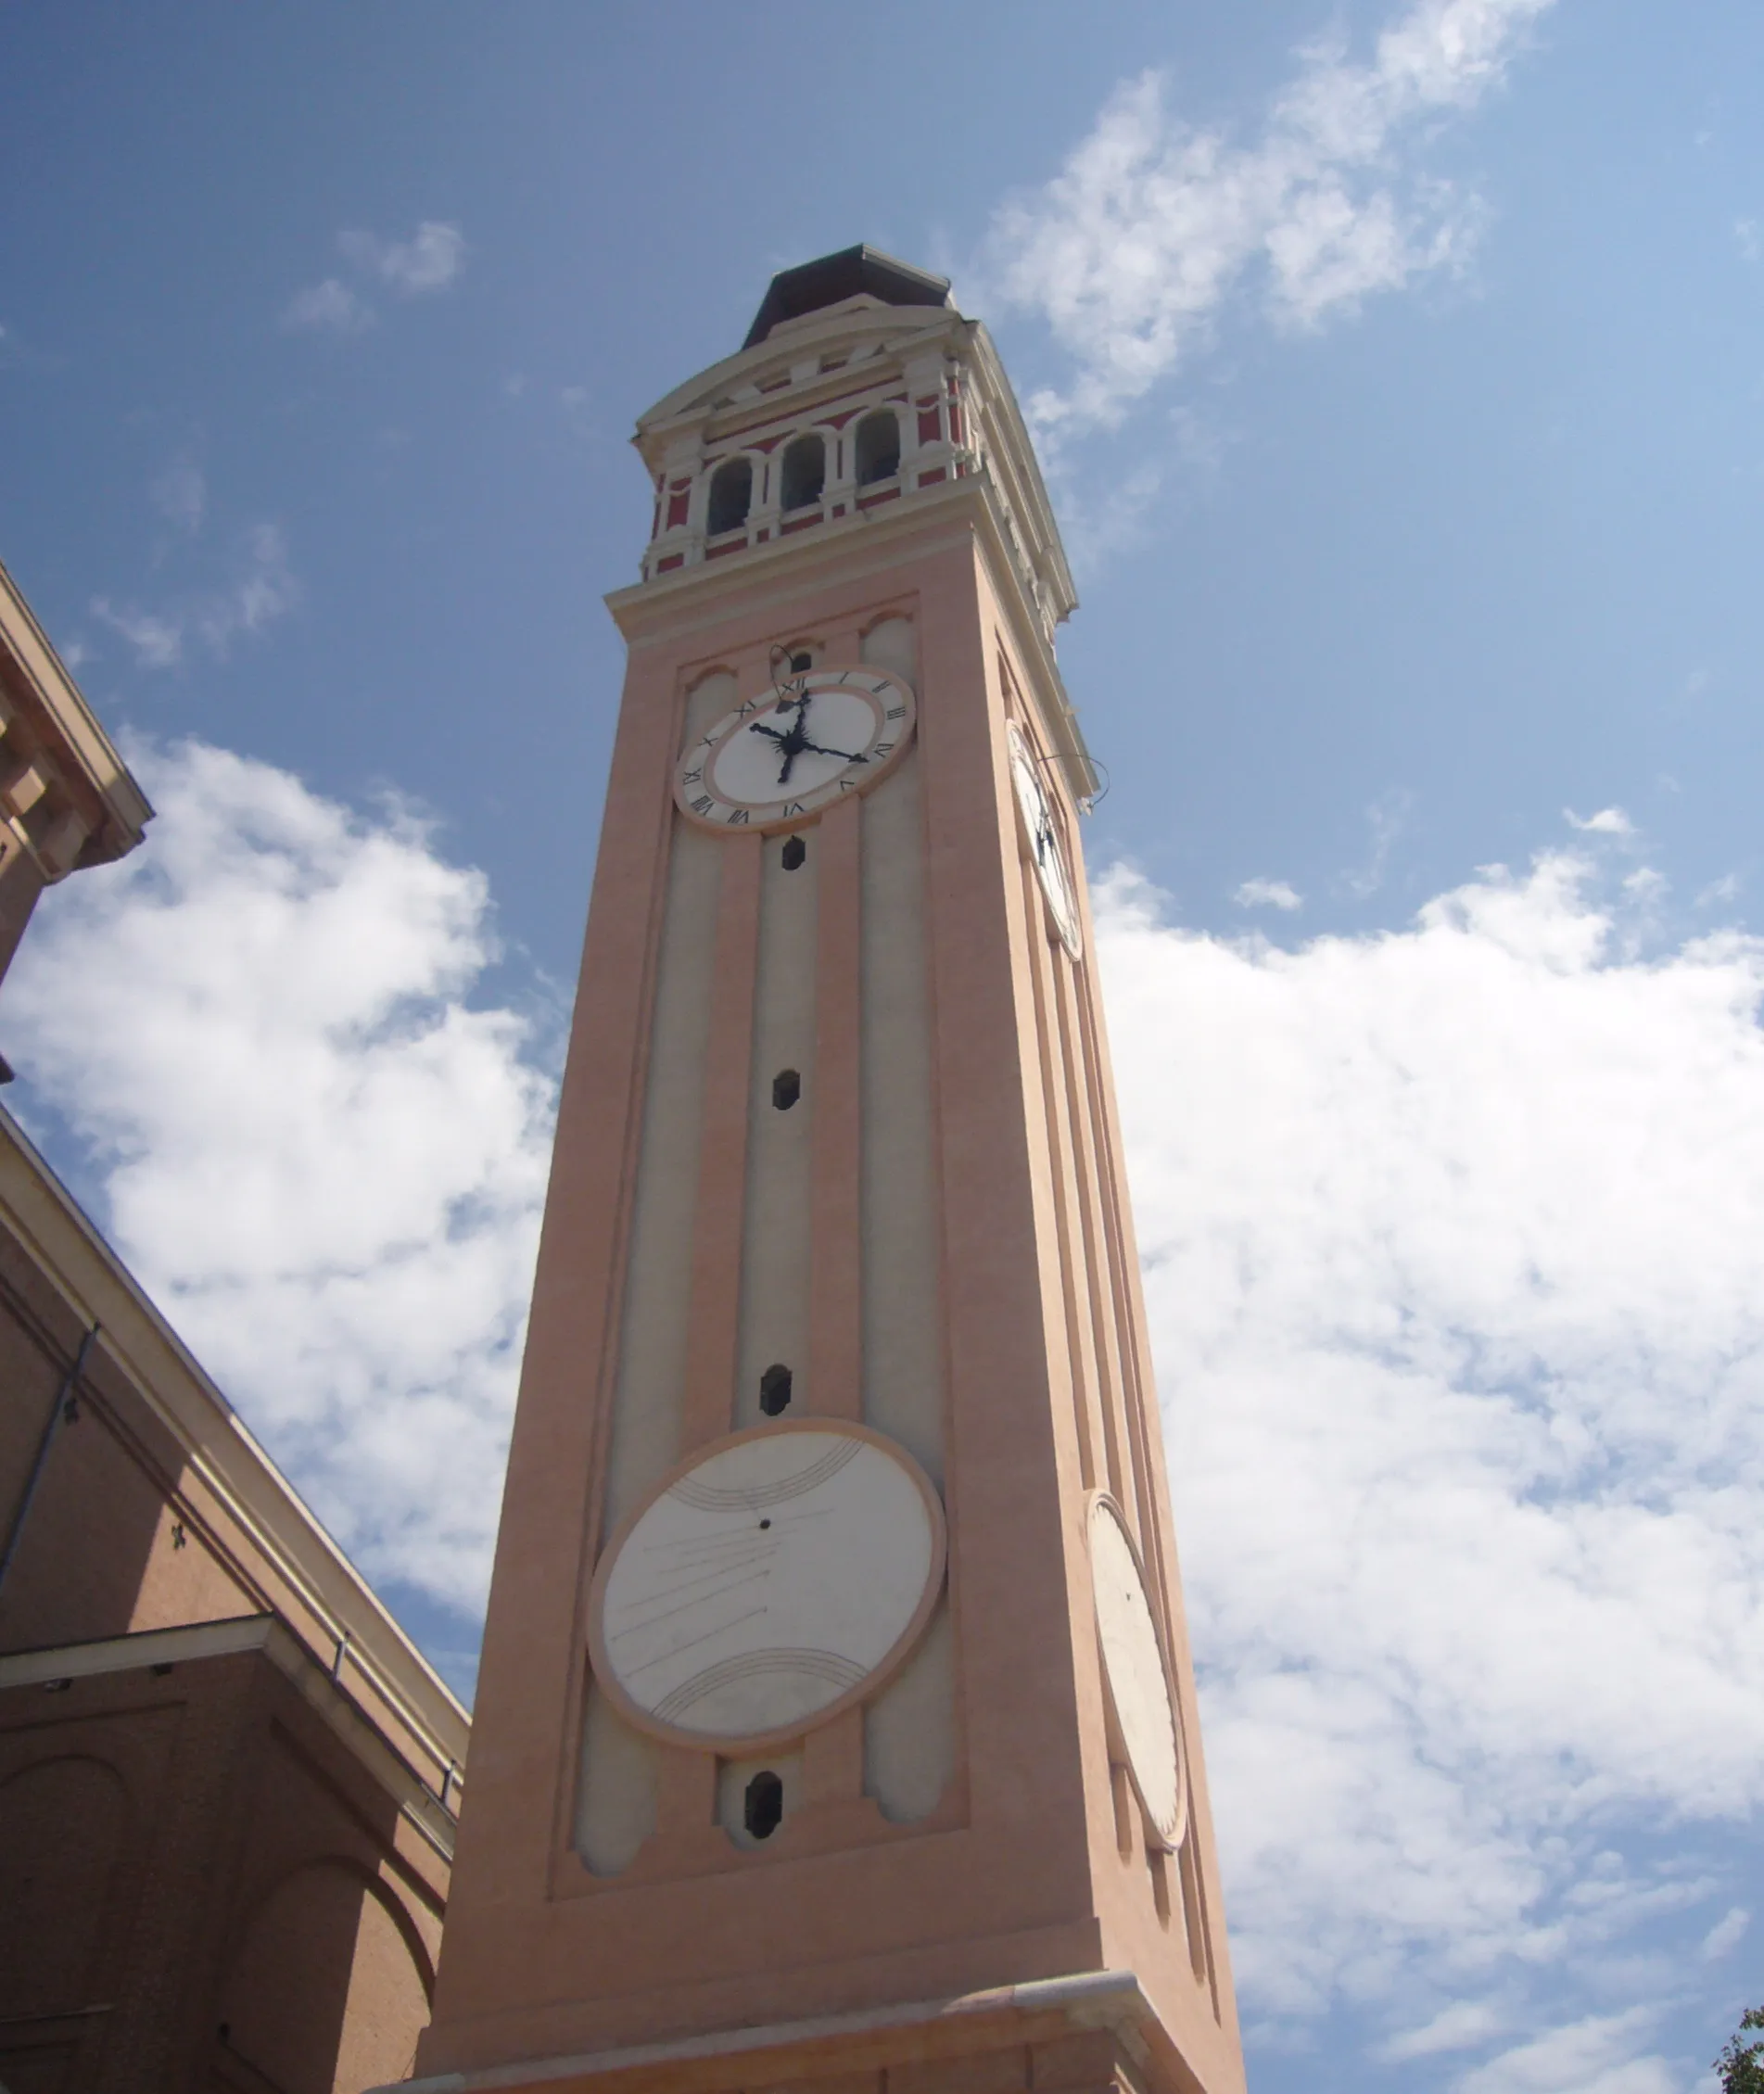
{"x":774,"y":1390}
{"x":787,"y":1088}
{"x":763,"y":1806}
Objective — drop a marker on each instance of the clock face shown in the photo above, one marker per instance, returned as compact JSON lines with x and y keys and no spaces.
{"x":778,"y":1578}
{"x":1134,"y":1669}
{"x":779,"y":759}
{"x":1045,"y":850}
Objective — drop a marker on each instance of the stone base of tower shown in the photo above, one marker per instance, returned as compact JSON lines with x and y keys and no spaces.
{"x":1092,"y":2034}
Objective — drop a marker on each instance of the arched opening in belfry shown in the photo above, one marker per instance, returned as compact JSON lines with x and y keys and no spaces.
{"x":804,"y":471}
{"x":878,"y":448}
{"x":731,"y":495}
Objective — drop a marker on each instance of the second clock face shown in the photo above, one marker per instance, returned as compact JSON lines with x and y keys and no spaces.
{"x":1044,"y":847}
{"x":780,"y":758}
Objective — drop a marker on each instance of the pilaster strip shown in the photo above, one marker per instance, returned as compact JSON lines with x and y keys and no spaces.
{"x":708,"y":1410}
{"x":835,"y":1327}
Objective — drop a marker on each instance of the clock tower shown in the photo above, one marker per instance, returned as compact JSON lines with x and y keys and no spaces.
{"x":836,"y":1722}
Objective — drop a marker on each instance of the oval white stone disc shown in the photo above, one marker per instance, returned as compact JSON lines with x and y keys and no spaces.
{"x":1133,"y":1668}
{"x":769,"y":1583}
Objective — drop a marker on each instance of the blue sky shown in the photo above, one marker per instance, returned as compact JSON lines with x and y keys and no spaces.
{"x":1399,"y":372}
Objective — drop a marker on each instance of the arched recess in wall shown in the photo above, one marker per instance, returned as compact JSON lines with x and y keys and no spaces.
{"x":62,"y":1825}
{"x":331,"y":1984}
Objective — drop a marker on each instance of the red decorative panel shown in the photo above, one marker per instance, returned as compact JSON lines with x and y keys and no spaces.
{"x":929,"y":430}
{"x":677,"y":509}
{"x":955,"y":422}
{"x":673,"y":560}
{"x":800,"y":524}
{"x":930,"y":479}
{"x":875,"y":501}
{"x":729,"y":545}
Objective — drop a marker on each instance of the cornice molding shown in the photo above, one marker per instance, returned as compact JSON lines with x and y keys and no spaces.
{"x":67,"y":730}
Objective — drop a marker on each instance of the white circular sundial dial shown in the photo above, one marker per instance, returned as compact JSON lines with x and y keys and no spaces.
{"x":1134,"y":1673}
{"x":779,"y":1578}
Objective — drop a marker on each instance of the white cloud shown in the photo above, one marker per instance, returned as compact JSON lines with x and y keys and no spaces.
{"x":322,"y":1159}
{"x":1726,"y":1933}
{"x":1449,"y":1245}
{"x":264,"y":589}
{"x":1594,"y":2056}
{"x":181,"y":494}
{"x":1116,"y":519}
{"x":158,"y":640}
{"x":1746,"y":237}
{"x":428,"y":262}
{"x":1608,"y":821}
{"x":1268,"y":893}
{"x":329,"y":307}
{"x":1132,"y":250}
{"x":1387,"y":817}
{"x":1463,"y":2026}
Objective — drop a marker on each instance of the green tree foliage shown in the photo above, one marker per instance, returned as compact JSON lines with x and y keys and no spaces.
{"x":1741,"y":2064}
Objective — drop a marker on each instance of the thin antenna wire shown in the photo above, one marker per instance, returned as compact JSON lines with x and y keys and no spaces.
{"x":1088,"y":802}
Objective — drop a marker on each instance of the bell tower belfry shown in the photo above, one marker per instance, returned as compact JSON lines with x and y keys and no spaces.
{"x":836,"y":1721}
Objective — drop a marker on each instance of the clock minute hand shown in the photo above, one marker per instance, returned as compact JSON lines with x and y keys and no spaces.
{"x":844,"y":756}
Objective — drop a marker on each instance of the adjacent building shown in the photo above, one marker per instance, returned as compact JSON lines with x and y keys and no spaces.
{"x":228,"y":1779}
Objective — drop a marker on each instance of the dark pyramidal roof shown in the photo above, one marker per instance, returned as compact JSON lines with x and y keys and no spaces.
{"x":812,"y":284}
